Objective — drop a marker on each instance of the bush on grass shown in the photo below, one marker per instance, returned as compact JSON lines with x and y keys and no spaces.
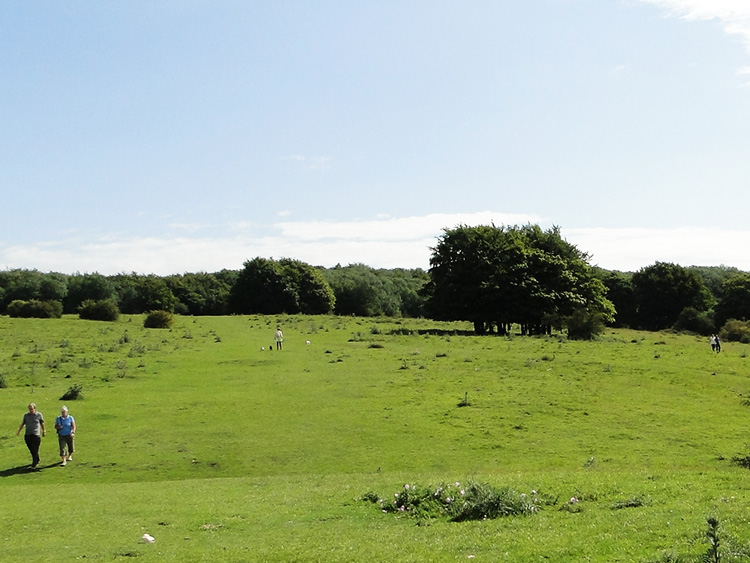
{"x":35,"y":309}
{"x":692,"y":320}
{"x":159,"y":319}
{"x":476,"y":501}
{"x":584,"y":325}
{"x":735,"y":331}
{"x":104,"y":310}
{"x":482,"y":501}
{"x":73,"y":393}
{"x":743,"y":460}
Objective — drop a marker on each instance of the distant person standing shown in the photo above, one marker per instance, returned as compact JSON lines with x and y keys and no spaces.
{"x":34,"y":423}
{"x":279,"y":337}
{"x":718,"y":344}
{"x":713,"y":341}
{"x":65,"y":425}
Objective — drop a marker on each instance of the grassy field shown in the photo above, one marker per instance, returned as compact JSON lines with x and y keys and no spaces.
{"x":224,"y":450}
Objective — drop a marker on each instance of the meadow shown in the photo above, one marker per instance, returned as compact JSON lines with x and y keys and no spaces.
{"x":225,"y":450}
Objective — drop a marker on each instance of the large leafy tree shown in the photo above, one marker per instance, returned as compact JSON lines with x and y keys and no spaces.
{"x":663,"y":290}
{"x":260,"y":288}
{"x":84,"y":287}
{"x":735,"y":301}
{"x":407,"y":285}
{"x":140,"y":294}
{"x":468,"y":279}
{"x":27,"y":285}
{"x":622,"y":295}
{"x":267,"y":286}
{"x":200,"y":294}
{"x":501,"y":275}
{"x":715,"y":276}
{"x":364,"y":291}
{"x":357,"y":289}
{"x":313,"y":294}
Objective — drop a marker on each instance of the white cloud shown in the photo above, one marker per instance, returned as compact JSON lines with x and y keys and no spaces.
{"x":734,"y":15}
{"x":387,"y":242}
{"x":313,"y":163}
{"x":395,"y":229}
{"x":632,"y":249}
{"x":618,"y":69}
{"x":187,"y":227}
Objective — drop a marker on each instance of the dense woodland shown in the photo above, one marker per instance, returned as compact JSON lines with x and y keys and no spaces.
{"x":495,"y":277}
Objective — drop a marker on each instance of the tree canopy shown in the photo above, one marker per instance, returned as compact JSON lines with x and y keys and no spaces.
{"x":663,"y":290}
{"x":364,"y":291}
{"x":495,"y":276}
{"x":735,"y":303}
{"x":268,"y":286}
{"x":490,"y":276}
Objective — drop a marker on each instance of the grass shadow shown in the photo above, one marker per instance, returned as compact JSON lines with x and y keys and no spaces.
{"x":25,"y":469}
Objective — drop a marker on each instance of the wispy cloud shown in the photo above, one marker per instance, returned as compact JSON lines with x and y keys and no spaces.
{"x":734,"y":15}
{"x":744,"y":72}
{"x":394,"y":229}
{"x":312,"y":163}
{"x":630,"y":249}
{"x":382,"y":242}
{"x":187,"y":227}
{"x":618,"y":69}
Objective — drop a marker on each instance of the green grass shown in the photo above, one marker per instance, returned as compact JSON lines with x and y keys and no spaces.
{"x":226,"y":452}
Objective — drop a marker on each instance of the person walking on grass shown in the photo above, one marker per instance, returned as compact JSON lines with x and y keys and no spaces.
{"x":35,"y":431}
{"x":715,"y":343}
{"x":65,"y":425}
{"x":279,"y":337}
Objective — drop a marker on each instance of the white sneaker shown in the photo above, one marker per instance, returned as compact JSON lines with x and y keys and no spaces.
{"x":70,"y":458}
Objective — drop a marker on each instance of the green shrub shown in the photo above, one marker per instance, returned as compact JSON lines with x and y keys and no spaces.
{"x":482,"y":501}
{"x":692,"y":320}
{"x":73,"y":393}
{"x":401,"y":332}
{"x":35,"y":309}
{"x":741,"y":460}
{"x":159,"y":319}
{"x":104,"y":310}
{"x":734,"y":330}
{"x":584,"y":325}
{"x":476,"y":501}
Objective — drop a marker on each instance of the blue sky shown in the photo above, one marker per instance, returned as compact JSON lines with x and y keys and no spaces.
{"x":184,"y":136}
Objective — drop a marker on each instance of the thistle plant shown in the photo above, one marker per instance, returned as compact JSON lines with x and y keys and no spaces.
{"x":458,"y":503}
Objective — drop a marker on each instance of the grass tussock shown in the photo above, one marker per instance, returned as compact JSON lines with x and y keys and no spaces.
{"x":475,"y":501}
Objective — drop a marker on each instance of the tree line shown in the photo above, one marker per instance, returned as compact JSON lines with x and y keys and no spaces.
{"x":263,"y":286}
{"x":494,"y":277}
